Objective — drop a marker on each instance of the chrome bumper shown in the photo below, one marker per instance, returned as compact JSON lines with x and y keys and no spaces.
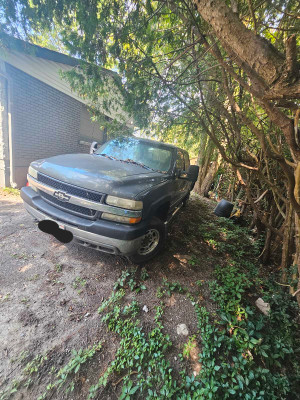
{"x":89,"y":239}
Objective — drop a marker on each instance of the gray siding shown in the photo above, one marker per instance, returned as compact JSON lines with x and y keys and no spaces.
{"x":45,"y":122}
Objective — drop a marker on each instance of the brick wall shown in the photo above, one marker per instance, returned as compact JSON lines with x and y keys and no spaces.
{"x":4,"y":132}
{"x":45,"y":122}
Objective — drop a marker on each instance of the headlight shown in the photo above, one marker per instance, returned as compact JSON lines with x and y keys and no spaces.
{"x":124,"y":203}
{"x":118,"y":218}
{"x":32,"y":172}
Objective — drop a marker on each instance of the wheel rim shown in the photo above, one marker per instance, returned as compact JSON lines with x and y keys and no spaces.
{"x":149,"y":242}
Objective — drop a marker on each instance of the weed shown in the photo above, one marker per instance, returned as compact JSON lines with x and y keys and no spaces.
{"x":137,"y":353}
{"x":12,"y":191}
{"x":128,"y":279}
{"x":58,"y":267}
{"x":194,"y":261}
{"x":292,"y":276}
{"x":34,"y":277}
{"x":168,"y":288}
{"x":244,"y":352}
{"x":22,"y":256}
{"x":6,"y":297}
{"x":160,"y":292}
{"x":5,"y":395}
{"x":57,"y":282}
{"x":128,"y":390}
{"x":189,"y":346}
{"x":22,"y":356}
{"x":114,"y":298}
{"x":144,"y":274}
{"x":78,"y":282}
{"x":72,"y":368}
{"x":121,"y":282}
{"x":34,"y":365}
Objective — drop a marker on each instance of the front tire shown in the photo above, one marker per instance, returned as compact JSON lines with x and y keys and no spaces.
{"x":152,"y":242}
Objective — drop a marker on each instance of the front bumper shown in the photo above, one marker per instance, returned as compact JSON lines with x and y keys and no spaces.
{"x":105,"y":236}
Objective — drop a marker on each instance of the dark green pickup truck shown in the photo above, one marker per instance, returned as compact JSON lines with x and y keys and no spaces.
{"x":119,"y":199}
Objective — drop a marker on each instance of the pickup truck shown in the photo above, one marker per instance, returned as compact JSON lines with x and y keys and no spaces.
{"x":119,"y":199}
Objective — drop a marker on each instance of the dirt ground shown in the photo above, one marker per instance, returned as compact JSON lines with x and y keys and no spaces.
{"x":50,"y":293}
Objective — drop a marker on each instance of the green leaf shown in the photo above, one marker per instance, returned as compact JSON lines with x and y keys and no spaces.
{"x":134,"y":389}
{"x":77,"y":368}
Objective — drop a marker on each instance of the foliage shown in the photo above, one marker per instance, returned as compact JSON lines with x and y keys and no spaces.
{"x":65,"y":377}
{"x":79,"y":358}
{"x":79,"y":282}
{"x":246,"y":353}
{"x":128,"y":279}
{"x":12,"y":191}
{"x":138,"y":354}
{"x":189,"y":346}
{"x":168,"y":288}
{"x":153,"y":47}
{"x":243,"y":354}
{"x":31,"y":369}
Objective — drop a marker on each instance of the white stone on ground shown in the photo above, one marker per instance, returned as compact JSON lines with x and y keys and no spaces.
{"x":262,"y":306}
{"x":182,"y":330}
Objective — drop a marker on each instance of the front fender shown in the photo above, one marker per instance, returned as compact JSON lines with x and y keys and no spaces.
{"x":156,"y":197}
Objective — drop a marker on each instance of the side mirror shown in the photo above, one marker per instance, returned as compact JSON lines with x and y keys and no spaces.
{"x":94,"y":147}
{"x":182,"y":174}
{"x":178,"y":173}
{"x":192,"y":173}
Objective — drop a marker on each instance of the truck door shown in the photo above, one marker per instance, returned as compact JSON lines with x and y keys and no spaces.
{"x":187,"y":165}
{"x":179,"y":184}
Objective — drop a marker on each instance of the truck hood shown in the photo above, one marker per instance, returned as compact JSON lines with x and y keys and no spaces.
{"x":100,"y":174}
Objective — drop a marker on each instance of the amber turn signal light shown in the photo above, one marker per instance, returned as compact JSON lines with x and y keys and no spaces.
{"x":134,"y":220}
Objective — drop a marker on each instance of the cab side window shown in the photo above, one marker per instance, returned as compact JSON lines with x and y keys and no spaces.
{"x":186,"y":161}
{"x":180,"y":161}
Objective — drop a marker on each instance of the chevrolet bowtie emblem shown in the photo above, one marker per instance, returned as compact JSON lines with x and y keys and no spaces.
{"x":62,"y":196}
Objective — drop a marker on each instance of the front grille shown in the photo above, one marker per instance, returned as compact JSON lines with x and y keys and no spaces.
{"x":68,"y":206}
{"x":70,"y":189}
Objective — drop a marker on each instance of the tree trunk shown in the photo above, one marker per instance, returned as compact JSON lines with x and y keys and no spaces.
{"x":297,"y":228}
{"x":265,"y":256}
{"x":209,"y":177}
{"x":206,"y":161}
{"x":203,"y":160}
{"x":286,"y":259}
{"x":297,"y":254}
{"x":255,"y":54}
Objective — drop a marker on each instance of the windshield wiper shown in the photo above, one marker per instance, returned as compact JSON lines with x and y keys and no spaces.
{"x":129,"y":160}
{"x":107,"y":156}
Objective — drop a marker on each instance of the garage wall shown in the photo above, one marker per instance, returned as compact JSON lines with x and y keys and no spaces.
{"x":89,"y":130}
{"x":4,"y":129}
{"x":45,"y":122}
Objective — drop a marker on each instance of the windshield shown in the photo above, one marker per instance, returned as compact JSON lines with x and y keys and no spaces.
{"x":153,"y":156}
